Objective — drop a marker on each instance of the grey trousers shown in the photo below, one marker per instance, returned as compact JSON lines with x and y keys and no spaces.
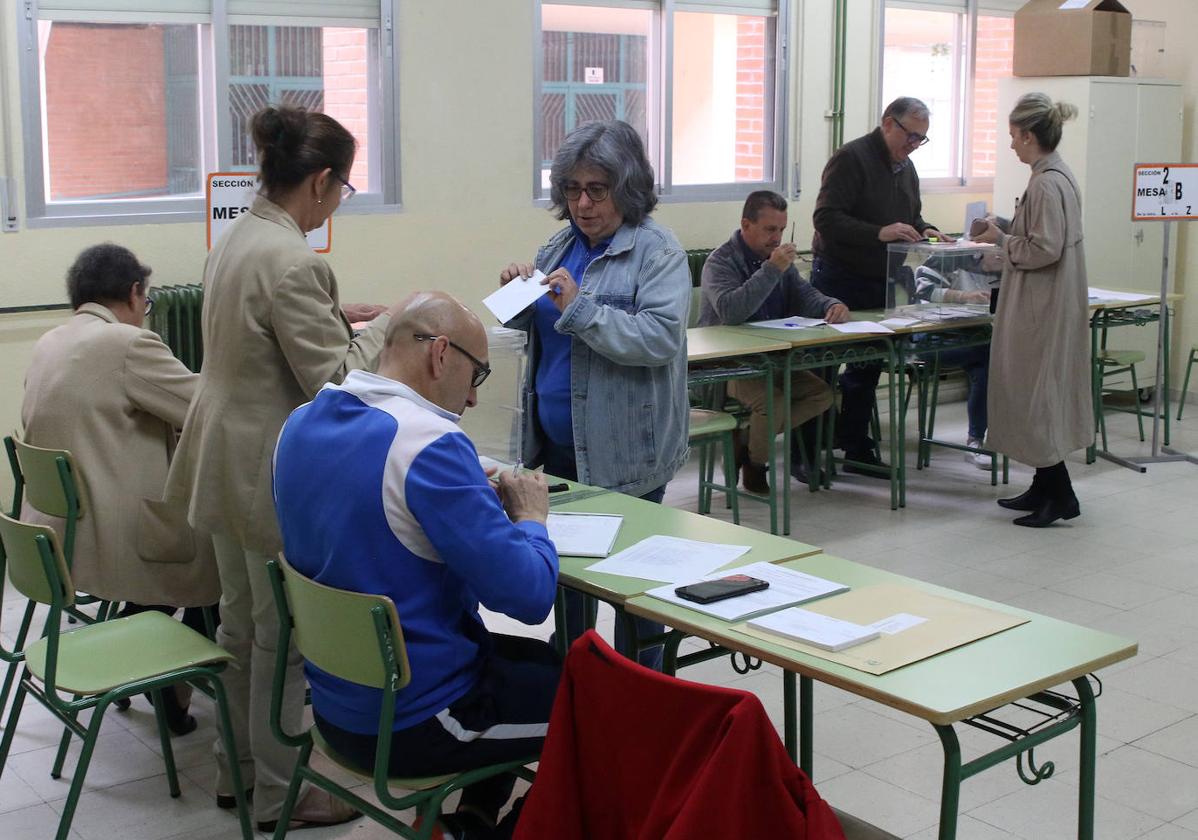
{"x":249,"y":629}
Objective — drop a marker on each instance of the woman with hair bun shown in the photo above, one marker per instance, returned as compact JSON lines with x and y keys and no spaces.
{"x":1041,"y":408}
{"x":274,"y":332}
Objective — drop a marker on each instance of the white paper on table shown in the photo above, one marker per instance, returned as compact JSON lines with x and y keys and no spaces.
{"x":896,"y":623}
{"x":973,"y":210}
{"x":1108,"y":294}
{"x":787,"y":588}
{"x":861,"y":327}
{"x":511,"y":299}
{"x":583,"y":534}
{"x":795,"y":323}
{"x":894,"y":323}
{"x":812,"y":628}
{"x":669,"y":559}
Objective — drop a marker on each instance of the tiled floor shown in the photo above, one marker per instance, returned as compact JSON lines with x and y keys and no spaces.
{"x":1128,"y":566}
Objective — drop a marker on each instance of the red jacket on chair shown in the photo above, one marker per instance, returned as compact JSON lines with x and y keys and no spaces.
{"x":632,"y":753}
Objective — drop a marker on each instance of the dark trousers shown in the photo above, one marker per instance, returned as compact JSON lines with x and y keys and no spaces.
{"x":975,"y":361}
{"x":559,"y":461}
{"x":515,"y":691}
{"x":859,"y":382}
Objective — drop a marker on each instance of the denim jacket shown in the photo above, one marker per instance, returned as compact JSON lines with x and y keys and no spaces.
{"x":628,"y":395}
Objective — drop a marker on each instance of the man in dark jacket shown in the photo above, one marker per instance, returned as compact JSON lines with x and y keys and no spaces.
{"x":752,"y":277}
{"x":869,"y":196}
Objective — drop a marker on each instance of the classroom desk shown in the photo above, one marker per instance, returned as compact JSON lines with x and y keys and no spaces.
{"x":645,"y":519}
{"x":1106,"y":314}
{"x":723,"y":354}
{"x":966,"y":685}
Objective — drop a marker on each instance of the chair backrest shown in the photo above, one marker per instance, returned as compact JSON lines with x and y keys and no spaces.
{"x":696,"y":302}
{"x":49,"y":477}
{"x":331,"y":629}
{"x":35,"y":562}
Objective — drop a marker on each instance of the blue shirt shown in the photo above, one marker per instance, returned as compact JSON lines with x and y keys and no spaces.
{"x":377,"y":490}
{"x":552,"y":380}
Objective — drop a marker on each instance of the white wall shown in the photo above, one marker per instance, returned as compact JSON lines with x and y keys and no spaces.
{"x":466,"y":140}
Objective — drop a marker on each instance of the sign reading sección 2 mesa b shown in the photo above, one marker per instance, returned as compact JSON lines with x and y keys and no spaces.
{"x":229,"y":194}
{"x":1165,"y":192}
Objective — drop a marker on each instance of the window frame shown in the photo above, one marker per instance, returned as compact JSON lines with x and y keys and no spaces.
{"x":659,"y":107}
{"x":214,"y":121}
{"x":971,"y":11}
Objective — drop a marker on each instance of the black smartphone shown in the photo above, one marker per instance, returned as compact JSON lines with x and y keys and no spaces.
{"x":708,"y":591}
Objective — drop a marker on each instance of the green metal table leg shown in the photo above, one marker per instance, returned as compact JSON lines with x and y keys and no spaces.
{"x":1095,"y":386}
{"x":950,"y":791}
{"x":807,"y":724}
{"x":790,"y":729}
{"x":784,"y":478}
{"x":1089,"y":752}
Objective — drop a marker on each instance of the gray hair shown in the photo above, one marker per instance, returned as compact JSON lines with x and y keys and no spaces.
{"x":1037,"y":113}
{"x":615,"y":148}
{"x":907,"y":106}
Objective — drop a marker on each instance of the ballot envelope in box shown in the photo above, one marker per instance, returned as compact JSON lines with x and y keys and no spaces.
{"x":940,"y":280}
{"x":496,"y":424}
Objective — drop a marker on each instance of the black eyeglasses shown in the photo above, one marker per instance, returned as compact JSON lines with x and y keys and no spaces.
{"x":481,"y":370}
{"x":595,"y":192}
{"x":912,"y":137}
{"x":347,"y":189}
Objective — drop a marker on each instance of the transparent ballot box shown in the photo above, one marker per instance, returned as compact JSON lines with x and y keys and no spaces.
{"x":496,"y":424}
{"x":941,"y":280}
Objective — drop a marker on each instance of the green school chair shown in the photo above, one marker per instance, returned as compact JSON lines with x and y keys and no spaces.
{"x":708,"y":429}
{"x":358,"y":638}
{"x":1181,"y":401}
{"x":95,"y":666}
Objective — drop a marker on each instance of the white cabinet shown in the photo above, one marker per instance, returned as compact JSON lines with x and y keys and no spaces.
{"x":1120,"y":122}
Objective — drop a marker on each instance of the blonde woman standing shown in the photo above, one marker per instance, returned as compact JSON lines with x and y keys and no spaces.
{"x":1040,"y":404}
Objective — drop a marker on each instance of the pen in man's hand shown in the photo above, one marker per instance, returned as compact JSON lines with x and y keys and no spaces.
{"x":560,"y":487}
{"x":792,"y":232}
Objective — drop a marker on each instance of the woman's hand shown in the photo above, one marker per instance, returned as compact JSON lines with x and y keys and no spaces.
{"x":562,"y":288}
{"x":357,"y":313}
{"x":990,"y":235}
{"x":513,"y":271}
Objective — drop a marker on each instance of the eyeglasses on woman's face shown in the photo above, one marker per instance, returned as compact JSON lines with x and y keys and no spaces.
{"x":595,"y":191}
{"x":347,"y":189}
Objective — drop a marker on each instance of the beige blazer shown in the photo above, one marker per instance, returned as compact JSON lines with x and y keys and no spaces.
{"x":273,"y":334}
{"x":114,"y":395}
{"x":1040,"y":404}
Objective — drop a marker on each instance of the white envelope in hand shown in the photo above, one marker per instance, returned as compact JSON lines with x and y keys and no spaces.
{"x":516,"y":296}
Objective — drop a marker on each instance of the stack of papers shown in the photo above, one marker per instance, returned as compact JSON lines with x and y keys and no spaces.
{"x":863,"y":327}
{"x":795,"y":323}
{"x":669,"y":559}
{"x":584,"y":534}
{"x":787,"y":588}
{"x":1108,"y":294}
{"x":813,"y":629}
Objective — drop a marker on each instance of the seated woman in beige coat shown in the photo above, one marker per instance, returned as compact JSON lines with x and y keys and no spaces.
{"x":110,"y":391}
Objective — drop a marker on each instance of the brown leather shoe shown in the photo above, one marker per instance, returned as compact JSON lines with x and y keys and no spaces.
{"x":753,"y":477}
{"x":316,"y":808}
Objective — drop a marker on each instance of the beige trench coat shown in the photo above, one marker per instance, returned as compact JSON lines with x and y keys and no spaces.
{"x":273,"y":334}
{"x":114,"y":395}
{"x":1040,"y":403}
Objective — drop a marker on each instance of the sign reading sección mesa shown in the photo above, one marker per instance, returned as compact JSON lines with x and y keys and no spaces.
{"x":1165,"y":192}
{"x":229,"y":194}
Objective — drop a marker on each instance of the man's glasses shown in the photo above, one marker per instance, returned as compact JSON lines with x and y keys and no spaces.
{"x":595,"y":192}
{"x":912,"y":138}
{"x":481,"y":370}
{"x":347,"y":189}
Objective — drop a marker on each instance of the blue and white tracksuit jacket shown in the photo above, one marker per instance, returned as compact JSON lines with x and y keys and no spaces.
{"x":378,"y":490}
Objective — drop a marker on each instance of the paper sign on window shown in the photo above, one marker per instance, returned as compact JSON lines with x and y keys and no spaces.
{"x":593,"y":75}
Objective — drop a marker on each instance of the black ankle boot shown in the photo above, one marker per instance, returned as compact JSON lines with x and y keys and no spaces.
{"x":1029,"y":499}
{"x":1050,"y":510}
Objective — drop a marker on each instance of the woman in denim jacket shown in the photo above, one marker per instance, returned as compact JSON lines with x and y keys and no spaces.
{"x":605,"y":398}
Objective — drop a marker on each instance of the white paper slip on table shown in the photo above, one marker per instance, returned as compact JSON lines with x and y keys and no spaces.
{"x":821,"y":631}
{"x":669,"y":559}
{"x":793,"y":323}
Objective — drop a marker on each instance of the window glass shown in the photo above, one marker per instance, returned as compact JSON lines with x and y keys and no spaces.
{"x":116,"y":128}
{"x":596,"y":67}
{"x":995,"y":52}
{"x":723,"y":103}
{"x":321,"y":69}
{"x":924,"y":57}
